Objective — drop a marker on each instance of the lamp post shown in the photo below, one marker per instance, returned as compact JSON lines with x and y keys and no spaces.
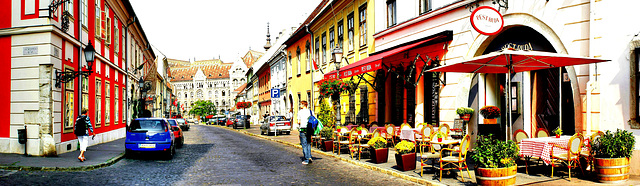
{"x":143,"y":93}
{"x":337,"y":58}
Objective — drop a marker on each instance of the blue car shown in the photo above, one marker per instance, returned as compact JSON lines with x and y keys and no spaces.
{"x":150,"y":135}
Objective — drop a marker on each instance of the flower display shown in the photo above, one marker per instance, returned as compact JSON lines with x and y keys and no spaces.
{"x":490,"y":112}
{"x":241,"y":105}
{"x":405,"y":147}
{"x":378,"y":143}
{"x":329,"y":87}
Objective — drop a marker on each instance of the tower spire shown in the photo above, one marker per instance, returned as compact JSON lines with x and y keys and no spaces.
{"x":268,"y":45}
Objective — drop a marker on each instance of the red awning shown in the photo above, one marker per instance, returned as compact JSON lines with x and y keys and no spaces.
{"x":375,"y":61}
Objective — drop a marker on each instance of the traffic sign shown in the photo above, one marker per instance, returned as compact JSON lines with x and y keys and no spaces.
{"x":226,"y":112}
{"x":275,"y":93}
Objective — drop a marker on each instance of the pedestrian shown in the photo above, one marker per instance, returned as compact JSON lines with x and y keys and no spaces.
{"x":290,"y":118}
{"x":81,"y":130}
{"x":306,"y":132}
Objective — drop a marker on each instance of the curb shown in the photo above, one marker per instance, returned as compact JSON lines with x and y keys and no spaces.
{"x":80,"y":168}
{"x":358,"y":163}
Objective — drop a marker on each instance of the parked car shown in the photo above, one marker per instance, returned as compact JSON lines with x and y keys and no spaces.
{"x":242,"y":121}
{"x":177,"y":132}
{"x":230,"y":121}
{"x":150,"y":135}
{"x":273,"y":124}
{"x":184,"y":125}
{"x":222,"y":121}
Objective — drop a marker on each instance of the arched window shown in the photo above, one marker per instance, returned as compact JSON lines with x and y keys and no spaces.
{"x":223,"y":95}
{"x":235,"y":82}
{"x":191,"y":94}
{"x":185,"y":95}
{"x":224,"y":103}
{"x":210,"y":95}
{"x":242,"y":80}
{"x":199,"y":93}
{"x":216,"y":93}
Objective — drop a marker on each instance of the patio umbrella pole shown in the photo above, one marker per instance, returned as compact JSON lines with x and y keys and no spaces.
{"x":560,"y":101}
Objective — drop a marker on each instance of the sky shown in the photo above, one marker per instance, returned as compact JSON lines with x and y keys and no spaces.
{"x":208,"y":29}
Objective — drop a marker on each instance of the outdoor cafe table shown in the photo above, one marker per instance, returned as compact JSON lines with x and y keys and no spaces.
{"x":351,"y":126}
{"x":374,"y":129}
{"x":408,"y":134}
{"x":541,"y":147}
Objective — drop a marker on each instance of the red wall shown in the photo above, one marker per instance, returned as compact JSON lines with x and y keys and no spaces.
{"x":5,"y":14}
{"x":5,"y":79}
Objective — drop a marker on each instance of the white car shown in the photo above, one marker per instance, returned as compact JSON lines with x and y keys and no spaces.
{"x":273,"y":124}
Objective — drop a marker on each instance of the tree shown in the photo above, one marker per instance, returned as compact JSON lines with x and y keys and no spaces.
{"x":203,"y":108}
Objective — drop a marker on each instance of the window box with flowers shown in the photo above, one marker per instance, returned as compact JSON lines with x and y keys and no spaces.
{"x":333,"y":87}
{"x":490,"y":113}
{"x":241,"y":105}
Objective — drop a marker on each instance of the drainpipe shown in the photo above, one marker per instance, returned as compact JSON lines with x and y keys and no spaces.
{"x":592,"y":83}
{"x":312,"y":56}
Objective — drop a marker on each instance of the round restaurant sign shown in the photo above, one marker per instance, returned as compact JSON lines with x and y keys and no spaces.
{"x":487,"y":20}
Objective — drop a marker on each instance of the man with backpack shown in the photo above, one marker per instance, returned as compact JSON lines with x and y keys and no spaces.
{"x":81,"y":130}
{"x":306,"y":131}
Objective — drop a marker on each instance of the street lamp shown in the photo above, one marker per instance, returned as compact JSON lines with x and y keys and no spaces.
{"x":64,"y":77}
{"x":143,"y":94}
{"x":337,"y":58}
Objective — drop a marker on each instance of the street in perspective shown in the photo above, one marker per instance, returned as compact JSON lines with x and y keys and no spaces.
{"x":319,"y":92}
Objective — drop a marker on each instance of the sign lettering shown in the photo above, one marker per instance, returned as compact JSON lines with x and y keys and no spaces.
{"x":525,"y":47}
{"x":30,"y":50}
{"x":487,"y":20}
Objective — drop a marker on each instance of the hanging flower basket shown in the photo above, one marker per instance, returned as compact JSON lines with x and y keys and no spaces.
{"x":333,"y":87}
{"x":490,"y":112}
{"x":241,"y":105}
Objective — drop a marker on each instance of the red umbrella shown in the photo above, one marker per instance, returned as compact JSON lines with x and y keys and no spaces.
{"x":512,"y":61}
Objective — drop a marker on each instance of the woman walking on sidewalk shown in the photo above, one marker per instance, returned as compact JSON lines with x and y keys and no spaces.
{"x":305,"y":132}
{"x":82,"y":129}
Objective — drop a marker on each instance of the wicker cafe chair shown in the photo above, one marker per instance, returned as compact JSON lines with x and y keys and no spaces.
{"x":374,"y":126}
{"x":405,"y":126}
{"x":572,"y":157}
{"x":425,"y":134}
{"x":429,"y":152}
{"x":389,"y":134}
{"x":444,"y":129}
{"x":353,"y":144}
{"x":342,"y":139}
{"x":362,"y":142}
{"x":541,"y":132}
{"x":519,"y":135}
{"x":460,"y":161}
{"x":588,"y":153}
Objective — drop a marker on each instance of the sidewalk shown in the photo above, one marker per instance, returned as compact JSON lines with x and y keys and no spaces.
{"x":98,"y":156}
{"x":539,"y":175}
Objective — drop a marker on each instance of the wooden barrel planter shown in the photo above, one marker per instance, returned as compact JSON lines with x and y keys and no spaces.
{"x":327,"y":145}
{"x":612,"y":170}
{"x":496,"y":176}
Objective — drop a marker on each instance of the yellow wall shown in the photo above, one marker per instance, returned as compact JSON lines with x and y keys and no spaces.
{"x":330,"y":18}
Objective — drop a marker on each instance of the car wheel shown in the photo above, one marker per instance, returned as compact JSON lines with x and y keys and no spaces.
{"x":180,"y":143}
{"x":171,"y":152}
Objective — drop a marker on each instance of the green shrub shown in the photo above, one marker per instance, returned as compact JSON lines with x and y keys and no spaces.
{"x":614,"y":145}
{"x":493,"y":153}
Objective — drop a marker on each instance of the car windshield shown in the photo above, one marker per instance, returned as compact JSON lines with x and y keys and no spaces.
{"x":180,"y":120}
{"x":173,"y":123}
{"x":148,"y":125}
{"x":277,"y":118}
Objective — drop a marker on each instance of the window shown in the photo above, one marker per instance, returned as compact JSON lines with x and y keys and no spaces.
{"x":317,"y":50}
{"x":69,"y":120}
{"x":116,"y":102}
{"x":331,"y":39}
{"x":223,"y":94}
{"x":68,"y":7}
{"x":84,"y":13}
{"x":391,"y":13}
{"x":116,"y":39}
{"x":210,"y":94}
{"x":98,"y":19}
{"x":324,"y":48}
{"x":350,"y":30}
{"x":425,"y":6}
{"x":85,"y":92}
{"x":340,"y":31}
{"x":107,"y":26}
{"x":124,"y":105}
{"x":363,"y":25}
{"x":298,"y":57}
{"x":191,"y":94}
{"x":107,"y":103}
{"x":308,"y":56}
{"x":309,"y":99}
{"x":98,"y":102}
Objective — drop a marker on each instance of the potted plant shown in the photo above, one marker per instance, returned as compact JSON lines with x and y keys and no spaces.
{"x":558,"y":132}
{"x":490,"y":113}
{"x":465,"y":113}
{"x":439,"y":136}
{"x":359,"y":130}
{"x":405,"y":157}
{"x":612,"y":153}
{"x":327,"y":142}
{"x":495,"y":161}
{"x":379,"y":151}
{"x":333,"y":87}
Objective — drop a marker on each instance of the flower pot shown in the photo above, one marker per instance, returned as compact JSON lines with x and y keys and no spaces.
{"x":406,"y":162}
{"x":557,"y":135}
{"x":490,"y":121}
{"x":612,"y":170}
{"x":327,"y":145}
{"x":496,"y":176}
{"x":379,"y":155}
{"x":466,"y":117}
{"x":439,"y":139}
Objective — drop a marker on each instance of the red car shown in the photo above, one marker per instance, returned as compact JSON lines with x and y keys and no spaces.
{"x":230,"y":121}
{"x":177,"y":132}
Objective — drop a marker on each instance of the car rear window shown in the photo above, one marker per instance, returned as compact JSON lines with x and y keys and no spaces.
{"x":180,"y":120}
{"x":173,"y":123}
{"x":241,"y":117}
{"x":278,"y":118}
{"x":147,"y":125}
